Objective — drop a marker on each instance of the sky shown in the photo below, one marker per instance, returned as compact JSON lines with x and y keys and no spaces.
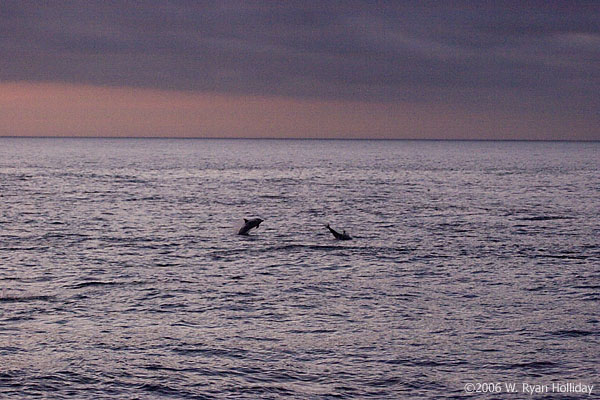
{"x":308,"y":69}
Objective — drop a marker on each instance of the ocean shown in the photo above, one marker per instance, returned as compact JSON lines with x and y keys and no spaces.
{"x":473,"y":264}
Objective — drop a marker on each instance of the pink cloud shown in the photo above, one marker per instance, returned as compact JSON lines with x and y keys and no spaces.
{"x":56,"y":109}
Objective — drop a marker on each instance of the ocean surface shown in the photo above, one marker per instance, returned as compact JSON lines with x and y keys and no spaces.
{"x":122,"y":276}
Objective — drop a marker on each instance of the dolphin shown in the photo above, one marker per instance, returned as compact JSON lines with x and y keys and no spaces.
{"x":249,"y":224}
{"x":337,"y":235}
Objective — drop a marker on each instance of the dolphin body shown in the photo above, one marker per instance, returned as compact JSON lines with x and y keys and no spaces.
{"x":249,"y":224}
{"x":337,"y":235}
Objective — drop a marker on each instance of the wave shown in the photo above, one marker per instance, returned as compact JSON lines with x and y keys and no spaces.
{"x":361,"y":250}
{"x":534,"y":365}
{"x":24,"y":299}
{"x":545,"y":218}
{"x":573,"y":333}
{"x":85,"y":284}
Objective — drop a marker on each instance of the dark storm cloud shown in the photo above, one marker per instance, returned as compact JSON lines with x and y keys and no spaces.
{"x":485,"y":52}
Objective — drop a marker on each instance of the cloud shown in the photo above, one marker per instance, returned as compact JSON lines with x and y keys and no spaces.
{"x":535,"y":55}
{"x":51,"y":109}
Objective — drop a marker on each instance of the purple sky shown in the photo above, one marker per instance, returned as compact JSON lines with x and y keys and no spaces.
{"x":431,"y":69}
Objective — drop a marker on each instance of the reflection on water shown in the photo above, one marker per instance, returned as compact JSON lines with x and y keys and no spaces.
{"x":122,"y":275}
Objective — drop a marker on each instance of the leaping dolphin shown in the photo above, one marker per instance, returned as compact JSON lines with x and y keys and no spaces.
{"x":337,"y":235}
{"x":249,"y":224}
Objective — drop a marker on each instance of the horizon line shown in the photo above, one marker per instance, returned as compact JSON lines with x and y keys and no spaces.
{"x":295,"y":138}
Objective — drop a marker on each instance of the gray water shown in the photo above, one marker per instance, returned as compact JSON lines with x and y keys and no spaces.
{"x":122,"y":275}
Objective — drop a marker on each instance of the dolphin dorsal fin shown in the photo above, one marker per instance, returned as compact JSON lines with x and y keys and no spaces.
{"x":245,"y":220}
